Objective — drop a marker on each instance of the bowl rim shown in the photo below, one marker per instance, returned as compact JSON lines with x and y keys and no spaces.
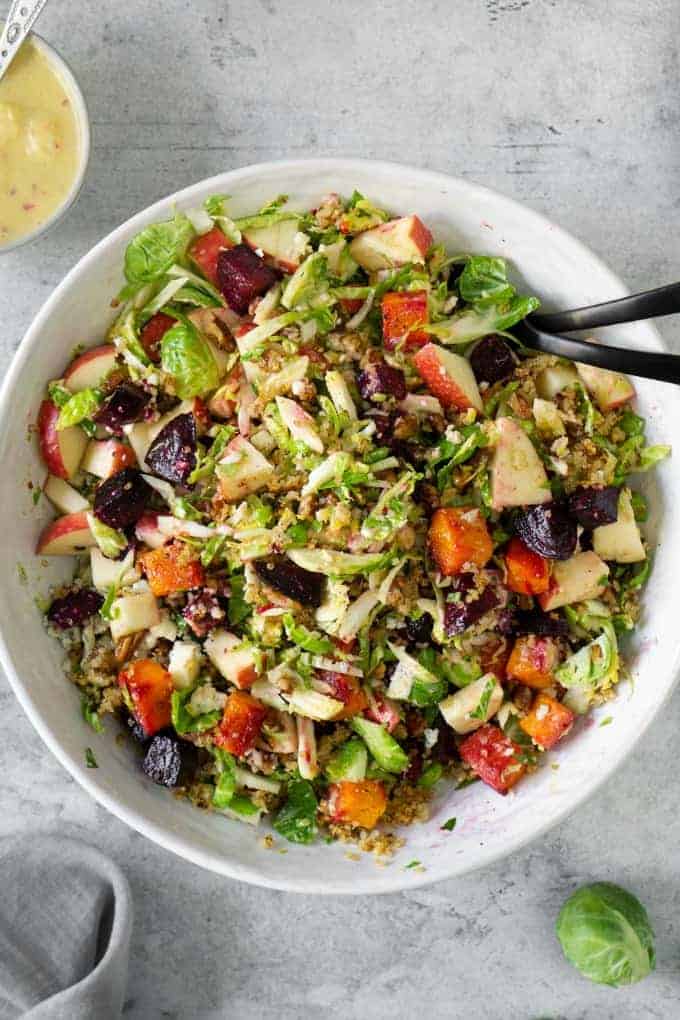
{"x":385,"y":881}
{"x":82,"y":115}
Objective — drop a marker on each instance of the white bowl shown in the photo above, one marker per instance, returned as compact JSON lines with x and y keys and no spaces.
{"x":552,"y":265}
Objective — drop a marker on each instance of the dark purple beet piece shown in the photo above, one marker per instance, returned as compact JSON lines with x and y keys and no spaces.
{"x":122,"y":499}
{"x":74,"y":608}
{"x":125,"y":405}
{"x":542,"y":624}
{"x":137,"y":731}
{"x":242,"y":275}
{"x":380,"y":379}
{"x":172,"y":454}
{"x":418,"y":632}
{"x":305,"y":586}
{"x":163,"y":761}
{"x":203,"y":612}
{"x":458,"y":616}
{"x":547,"y":529}
{"x":492,"y":360}
{"x":592,"y":506}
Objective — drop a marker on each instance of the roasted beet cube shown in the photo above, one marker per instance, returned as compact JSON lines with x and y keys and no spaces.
{"x":203,"y":612}
{"x":172,"y":454}
{"x":74,"y":608}
{"x":122,"y":499}
{"x":470,"y":606}
{"x":242,"y":275}
{"x":305,"y":586}
{"x":593,"y":506}
{"x":153,"y":332}
{"x":168,"y":760}
{"x":492,"y":359}
{"x":418,"y":631}
{"x":547,"y":529}
{"x":542,"y":624}
{"x":125,"y":405}
{"x":379,"y":380}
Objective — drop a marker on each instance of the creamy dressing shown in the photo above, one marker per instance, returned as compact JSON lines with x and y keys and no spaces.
{"x":39,"y":144}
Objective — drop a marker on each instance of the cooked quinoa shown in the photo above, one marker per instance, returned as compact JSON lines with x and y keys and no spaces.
{"x":339,"y":537}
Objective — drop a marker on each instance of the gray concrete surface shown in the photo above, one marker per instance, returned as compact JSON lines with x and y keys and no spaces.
{"x":569,"y":105}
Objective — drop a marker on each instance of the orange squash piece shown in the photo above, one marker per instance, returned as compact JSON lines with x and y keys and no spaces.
{"x":533,"y":660}
{"x":401,"y":312}
{"x":241,"y":723}
{"x":362,"y":804}
{"x":527,"y":572}
{"x":548,"y":721}
{"x":150,"y":688}
{"x":171,"y":568}
{"x":459,"y":535}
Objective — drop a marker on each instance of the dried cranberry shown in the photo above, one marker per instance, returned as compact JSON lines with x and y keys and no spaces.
{"x":125,"y":405}
{"x":547,"y":529}
{"x":542,"y":624}
{"x":172,"y":454}
{"x":418,"y":632}
{"x":381,"y":380}
{"x":242,"y":275}
{"x":492,"y":359}
{"x":74,"y":608}
{"x":302,"y":585}
{"x":137,"y":731}
{"x":122,"y":499}
{"x":593,"y":506}
{"x":458,"y":616}
{"x":168,"y":761}
{"x":203,"y":612}
{"x":415,"y":768}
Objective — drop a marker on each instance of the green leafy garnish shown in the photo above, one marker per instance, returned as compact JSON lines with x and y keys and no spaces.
{"x":90,"y":714}
{"x":483,"y":704}
{"x":449,"y":825}
{"x":484,"y":281}
{"x":185,"y":721}
{"x":188,"y":359}
{"x":308,"y":640}
{"x":78,"y":407}
{"x":296,"y":821}
{"x":150,"y":254}
{"x":90,"y":759}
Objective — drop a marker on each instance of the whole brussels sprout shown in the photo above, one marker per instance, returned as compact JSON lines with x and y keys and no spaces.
{"x":605,"y":933}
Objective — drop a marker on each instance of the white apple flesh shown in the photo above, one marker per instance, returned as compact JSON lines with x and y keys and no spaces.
{"x":608,"y":389}
{"x":63,"y":496}
{"x":584,"y":576}
{"x":91,"y":368}
{"x":517,"y":476}
{"x":61,"y":449}
{"x":65,"y":536}
{"x":620,"y":541}
{"x":392,"y":244}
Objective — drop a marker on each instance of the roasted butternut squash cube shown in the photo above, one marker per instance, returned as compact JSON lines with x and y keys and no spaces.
{"x":533,"y":660}
{"x":149,"y":687}
{"x":171,"y":568}
{"x":459,"y":535}
{"x":548,"y":721}
{"x":361,"y":804}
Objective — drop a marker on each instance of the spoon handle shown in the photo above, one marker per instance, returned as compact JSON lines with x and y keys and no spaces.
{"x":647,"y":305}
{"x":20,"y":19}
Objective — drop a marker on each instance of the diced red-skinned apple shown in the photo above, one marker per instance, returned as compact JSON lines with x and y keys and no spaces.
{"x":236,"y":662}
{"x":449,"y":377}
{"x":517,"y":476}
{"x":392,"y":244}
{"x":63,"y":496}
{"x":299,"y":423}
{"x":242,"y":470}
{"x":608,"y":389}
{"x":459,"y":709}
{"x":106,"y":572}
{"x":91,"y":368}
{"x":61,"y":449}
{"x":555,"y":378}
{"x":65,"y":536}
{"x":583,"y":576}
{"x":106,"y":457}
{"x":281,"y":242}
{"x":148,"y":531}
{"x":132,"y":613}
{"x":621,"y":540}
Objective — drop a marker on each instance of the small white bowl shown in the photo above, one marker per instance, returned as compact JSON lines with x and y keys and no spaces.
{"x":79,"y":107}
{"x":466,"y":217}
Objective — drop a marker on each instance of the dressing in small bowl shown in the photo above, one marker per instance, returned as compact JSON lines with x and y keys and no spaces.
{"x":44,"y":142}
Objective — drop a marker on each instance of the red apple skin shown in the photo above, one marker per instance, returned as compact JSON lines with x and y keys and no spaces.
{"x":54,"y":444}
{"x":119,"y":455}
{"x":62,"y":536}
{"x":148,"y":532}
{"x":438,"y":381}
{"x":420,"y":235}
{"x":86,"y":365}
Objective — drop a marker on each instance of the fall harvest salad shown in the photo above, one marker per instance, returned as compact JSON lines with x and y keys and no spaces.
{"x":338,"y":536}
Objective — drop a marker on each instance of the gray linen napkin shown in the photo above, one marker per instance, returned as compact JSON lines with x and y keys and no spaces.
{"x":65,"y":924}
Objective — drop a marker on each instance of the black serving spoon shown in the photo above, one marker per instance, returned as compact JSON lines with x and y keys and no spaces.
{"x":543,"y":333}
